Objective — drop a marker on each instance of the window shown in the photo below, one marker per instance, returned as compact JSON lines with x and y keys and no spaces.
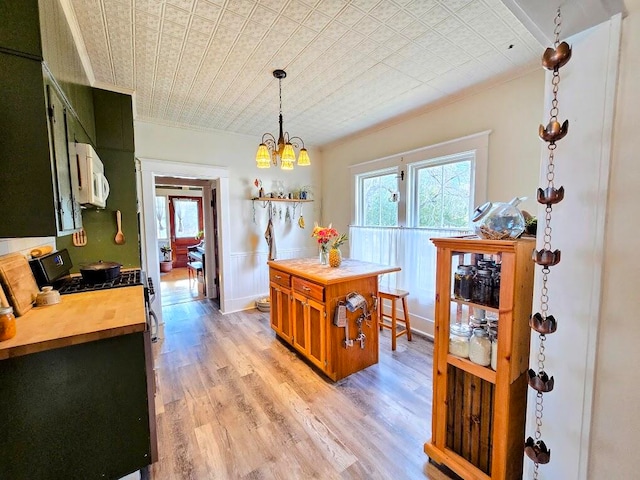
{"x":443,"y":192}
{"x":161,"y":218}
{"x":378,"y":199}
{"x":185,"y":217}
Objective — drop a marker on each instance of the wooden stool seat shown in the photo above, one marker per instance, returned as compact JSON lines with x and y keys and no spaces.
{"x":194,"y":269}
{"x":394,"y":295}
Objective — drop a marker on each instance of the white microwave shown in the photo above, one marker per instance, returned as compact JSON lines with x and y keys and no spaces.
{"x":93,"y":187}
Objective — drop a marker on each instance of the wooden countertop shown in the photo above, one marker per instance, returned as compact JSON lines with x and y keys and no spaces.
{"x":310,"y":268}
{"x":78,"y":318}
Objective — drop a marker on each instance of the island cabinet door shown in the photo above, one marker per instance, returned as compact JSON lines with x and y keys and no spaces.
{"x":317,"y":329}
{"x":281,"y":311}
{"x":299,"y":323}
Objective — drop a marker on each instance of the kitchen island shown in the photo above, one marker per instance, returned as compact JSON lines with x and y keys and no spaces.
{"x":77,"y":386}
{"x":304,"y":295}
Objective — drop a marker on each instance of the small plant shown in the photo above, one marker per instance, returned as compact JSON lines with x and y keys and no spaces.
{"x":199,"y":235}
{"x":166,"y":251}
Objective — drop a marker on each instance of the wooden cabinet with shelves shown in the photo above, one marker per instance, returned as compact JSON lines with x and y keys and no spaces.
{"x":479,"y":414}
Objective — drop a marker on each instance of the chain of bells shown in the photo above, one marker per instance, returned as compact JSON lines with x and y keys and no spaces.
{"x":542,"y":322}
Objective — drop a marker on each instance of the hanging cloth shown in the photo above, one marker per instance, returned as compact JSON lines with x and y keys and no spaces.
{"x":270,"y":237}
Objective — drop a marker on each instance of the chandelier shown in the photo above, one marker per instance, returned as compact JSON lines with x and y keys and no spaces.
{"x":270,"y":150}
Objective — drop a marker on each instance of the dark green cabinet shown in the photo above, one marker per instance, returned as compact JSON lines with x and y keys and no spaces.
{"x":36,"y":198}
{"x":78,"y":412}
{"x":65,"y":168}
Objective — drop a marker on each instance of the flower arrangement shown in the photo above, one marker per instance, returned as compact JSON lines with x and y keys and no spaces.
{"x":325,"y":236}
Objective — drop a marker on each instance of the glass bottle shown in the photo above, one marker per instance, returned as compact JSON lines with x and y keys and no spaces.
{"x":493,"y":336}
{"x":459,"y":340}
{"x":482,"y":286}
{"x":462,"y":282}
{"x":7,"y":323}
{"x":480,"y":347}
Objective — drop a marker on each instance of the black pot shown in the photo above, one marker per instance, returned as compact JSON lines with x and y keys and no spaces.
{"x":100,"y":272}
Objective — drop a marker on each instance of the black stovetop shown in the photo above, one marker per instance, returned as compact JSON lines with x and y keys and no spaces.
{"x":76,"y":284}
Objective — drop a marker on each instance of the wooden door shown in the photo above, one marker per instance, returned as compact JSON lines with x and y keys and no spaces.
{"x":216,"y":259}
{"x":185,"y":221}
{"x":281,"y":311}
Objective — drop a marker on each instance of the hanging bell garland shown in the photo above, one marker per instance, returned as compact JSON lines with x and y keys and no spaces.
{"x":542,"y":322}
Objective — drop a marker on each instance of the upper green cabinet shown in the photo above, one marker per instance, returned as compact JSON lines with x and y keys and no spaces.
{"x":26,"y":184}
{"x":20,"y":27}
{"x":113,"y":120}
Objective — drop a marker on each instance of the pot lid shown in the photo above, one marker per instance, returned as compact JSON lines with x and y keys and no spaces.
{"x":100,"y":265}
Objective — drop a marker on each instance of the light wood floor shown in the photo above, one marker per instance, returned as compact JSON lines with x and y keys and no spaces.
{"x":177,"y":288}
{"x":234,"y":402}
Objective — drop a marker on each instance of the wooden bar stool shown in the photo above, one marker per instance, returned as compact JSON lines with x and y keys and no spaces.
{"x":393,"y":295}
{"x":194,"y":269}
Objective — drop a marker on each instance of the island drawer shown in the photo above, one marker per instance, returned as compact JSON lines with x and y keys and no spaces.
{"x":308,"y":289}
{"x":281,"y":278}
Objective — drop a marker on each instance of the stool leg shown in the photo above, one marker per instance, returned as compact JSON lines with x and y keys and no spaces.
{"x":393,"y":324}
{"x":407,"y":321}
{"x":381,"y":312}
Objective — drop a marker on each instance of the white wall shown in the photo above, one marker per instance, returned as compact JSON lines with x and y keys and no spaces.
{"x":511,"y":110}
{"x":616,"y":409}
{"x":248,"y":249}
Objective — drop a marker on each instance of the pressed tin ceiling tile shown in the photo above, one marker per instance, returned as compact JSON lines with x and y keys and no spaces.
{"x":350,"y":63}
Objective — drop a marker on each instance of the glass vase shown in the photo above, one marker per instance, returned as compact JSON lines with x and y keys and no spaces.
{"x":324,"y":255}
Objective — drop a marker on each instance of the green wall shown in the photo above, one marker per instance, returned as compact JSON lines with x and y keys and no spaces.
{"x":115,"y":147}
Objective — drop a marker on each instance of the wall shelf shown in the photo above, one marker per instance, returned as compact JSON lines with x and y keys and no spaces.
{"x":270,"y":199}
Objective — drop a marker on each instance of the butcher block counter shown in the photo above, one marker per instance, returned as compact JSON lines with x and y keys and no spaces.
{"x":78,"y":318}
{"x":78,"y":389}
{"x":304,"y":296}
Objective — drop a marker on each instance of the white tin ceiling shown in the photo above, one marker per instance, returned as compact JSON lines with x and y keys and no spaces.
{"x":350,"y":63}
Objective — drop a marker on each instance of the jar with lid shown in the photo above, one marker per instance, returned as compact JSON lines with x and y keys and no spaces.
{"x":463,"y":282}
{"x":495,"y":292}
{"x":7,"y":323}
{"x":482,"y":286}
{"x":480,"y":347}
{"x":459,"y":335}
{"x":497,"y":221}
{"x":493,"y":336}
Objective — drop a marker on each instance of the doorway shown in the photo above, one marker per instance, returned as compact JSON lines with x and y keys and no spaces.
{"x":151,"y":171}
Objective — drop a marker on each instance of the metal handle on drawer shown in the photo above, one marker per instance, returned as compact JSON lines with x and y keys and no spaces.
{"x":306,"y":289}
{"x":277,"y":277}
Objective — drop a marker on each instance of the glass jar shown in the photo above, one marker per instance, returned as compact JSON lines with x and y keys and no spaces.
{"x":463,"y":282}
{"x":499,"y":220}
{"x":493,"y":336}
{"x":495,"y":292}
{"x":459,"y":341}
{"x":482,"y":286}
{"x":480,"y":347}
{"x":7,"y":323}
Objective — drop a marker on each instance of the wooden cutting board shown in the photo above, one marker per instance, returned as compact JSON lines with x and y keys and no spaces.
{"x":18,"y":282}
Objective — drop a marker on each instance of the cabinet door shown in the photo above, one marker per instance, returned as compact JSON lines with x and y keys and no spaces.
{"x":286,"y":327}
{"x":299,"y":322}
{"x":275,"y":307}
{"x":67,"y":208}
{"x":316,"y":336}
{"x":281,"y":311}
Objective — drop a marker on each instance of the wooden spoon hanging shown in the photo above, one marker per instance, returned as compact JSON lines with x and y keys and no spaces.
{"x":119,"y":235}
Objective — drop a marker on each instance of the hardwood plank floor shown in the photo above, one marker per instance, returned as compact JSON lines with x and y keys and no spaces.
{"x":177,"y":288}
{"x":234,"y":402}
